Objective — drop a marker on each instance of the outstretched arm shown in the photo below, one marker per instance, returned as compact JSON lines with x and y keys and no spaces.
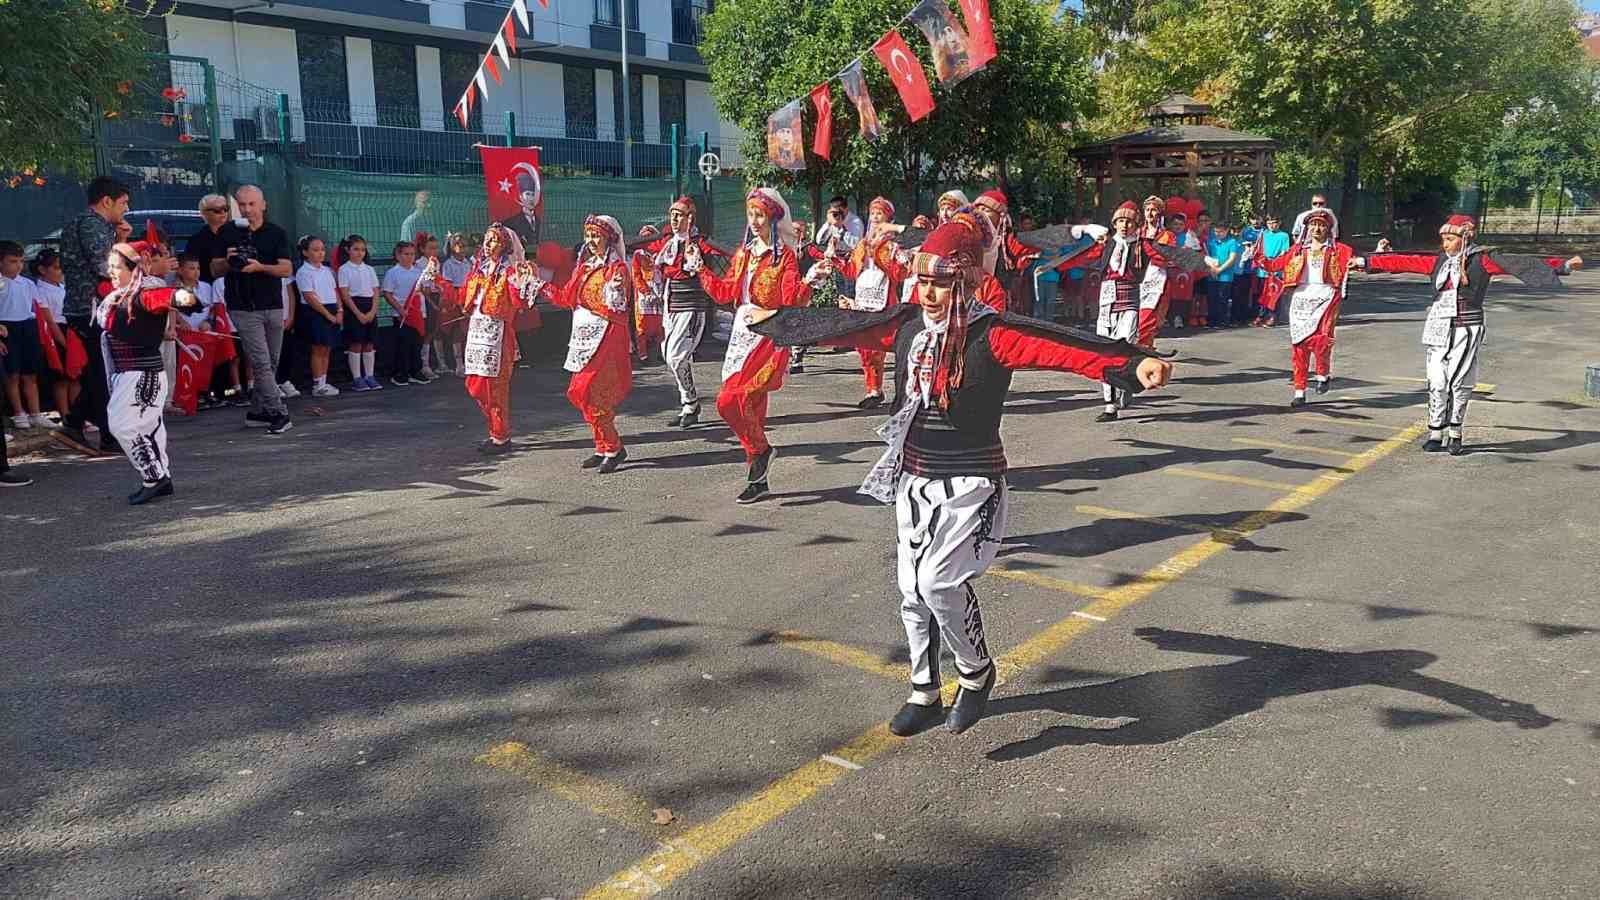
{"x":1398,"y":263}
{"x":1070,"y":350}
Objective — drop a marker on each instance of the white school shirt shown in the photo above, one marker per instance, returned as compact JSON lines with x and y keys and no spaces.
{"x":399,"y":281}
{"x":455,"y":270}
{"x":359,"y":279}
{"x":16,"y":302}
{"x":318,"y":280}
{"x":288,"y":298}
{"x":201,"y":314}
{"x":52,"y":297}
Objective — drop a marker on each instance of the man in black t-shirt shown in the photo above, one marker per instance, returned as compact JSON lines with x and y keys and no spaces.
{"x":253,"y":268}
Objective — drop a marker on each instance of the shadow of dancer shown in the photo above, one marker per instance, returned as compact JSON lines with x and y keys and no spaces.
{"x":1158,"y":707}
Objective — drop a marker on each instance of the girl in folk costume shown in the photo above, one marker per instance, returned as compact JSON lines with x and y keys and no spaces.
{"x":650,"y":303}
{"x":599,"y":353}
{"x":875,"y":265}
{"x":134,"y":318}
{"x":1454,"y":330}
{"x":501,"y":284}
{"x":1006,"y":257}
{"x":944,"y":470}
{"x":1316,"y":272}
{"x":764,"y":275}
{"x":680,"y":256}
{"x":1153,"y":305}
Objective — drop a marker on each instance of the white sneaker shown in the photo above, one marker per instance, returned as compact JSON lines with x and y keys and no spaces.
{"x":324,"y":390}
{"x":287,"y":389}
{"x":43,"y":421}
{"x":20,"y":422}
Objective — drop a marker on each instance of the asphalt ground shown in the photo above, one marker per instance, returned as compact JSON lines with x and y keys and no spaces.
{"x":1248,"y":651}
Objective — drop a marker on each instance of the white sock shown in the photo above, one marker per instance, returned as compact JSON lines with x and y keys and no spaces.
{"x":20,"y":421}
{"x":319,"y":381}
{"x":369,"y":362}
{"x":1300,"y":392}
{"x":353,"y":357}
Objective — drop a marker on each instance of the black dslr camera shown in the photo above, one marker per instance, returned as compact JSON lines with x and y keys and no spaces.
{"x":245,"y":249}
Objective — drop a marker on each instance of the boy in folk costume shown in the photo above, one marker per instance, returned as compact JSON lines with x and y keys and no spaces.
{"x":1006,"y":257}
{"x":598,"y":355}
{"x":679,"y":257}
{"x":945,"y":467}
{"x":1153,"y":305}
{"x":501,"y":284}
{"x":1454,"y":330}
{"x":134,"y":318}
{"x":1315,"y":272}
{"x":876,"y":267}
{"x":764,"y":274}
{"x":649,"y":304}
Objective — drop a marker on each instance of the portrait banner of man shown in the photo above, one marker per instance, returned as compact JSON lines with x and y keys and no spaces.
{"x":951,"y":60}
{"x":855,"y":87}
{"x":515,"y":190}
{"x":785,"y":138}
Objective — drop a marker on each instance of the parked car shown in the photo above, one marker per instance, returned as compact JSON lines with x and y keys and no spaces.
{"x":177,"y":223}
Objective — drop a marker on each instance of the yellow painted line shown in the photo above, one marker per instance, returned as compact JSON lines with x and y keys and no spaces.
{"x":1479,"y":388}
{"x":843,"y":654}
{"x":599,"y":797}
{"x":680,"y":855}
{"x":1300,"y":448}
{"x":1231,"y":479}
{"x":1196,"y":527}
{"x":1046,"y":581}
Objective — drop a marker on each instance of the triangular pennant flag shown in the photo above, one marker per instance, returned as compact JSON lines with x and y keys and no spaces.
{"x":822,"y":141}
{"x":786,"y":139}
{"x":855,"y":87}
{"x":521,"y":9}
{"x":905,"y":70}
{"x":461,"y":113}
{"x":477,"y":78}
{"x":952,"y":58}
{"x":980,"y":32}
{"x":472,"y":93}
{"x":499,"y":46}
{"x":509,"y":32}
{"x":494,"y":70}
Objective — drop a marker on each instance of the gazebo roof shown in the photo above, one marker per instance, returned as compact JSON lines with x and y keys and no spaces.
{"x":1179,"y":136}
{"x":1179,"y":105}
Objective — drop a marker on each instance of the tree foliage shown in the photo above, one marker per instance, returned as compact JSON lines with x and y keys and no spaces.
{"x":61,"y":63}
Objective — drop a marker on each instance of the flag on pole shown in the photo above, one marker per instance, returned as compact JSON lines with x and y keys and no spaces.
{"x":905,"y":70}
{"x":855,"y":87}
{"x":822,"y":141}
{"x":786,"y":137}
{"x":952,"y":60}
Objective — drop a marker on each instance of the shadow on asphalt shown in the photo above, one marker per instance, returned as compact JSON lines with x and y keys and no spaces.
{"x":1108,"y":535}
{"x":1158,"y":707}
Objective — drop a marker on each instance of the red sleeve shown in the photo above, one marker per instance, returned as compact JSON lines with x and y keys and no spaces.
{"x":1405,"y":263}
{"x":1276,"y":264}
{"x":724,"y":288}
{"x":792,"y":290}
{"x":1022,"y":253}
{"x":156,"y":301}
{"x":709,"y":249}
{"x":654,"y":246}
{"x":991,"y":294}
{"x":1082,"y":260}
{"x":1018,"y":349}
{"x":566,"y":297}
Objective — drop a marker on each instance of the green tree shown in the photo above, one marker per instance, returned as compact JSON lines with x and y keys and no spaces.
{"x":61,"y":63}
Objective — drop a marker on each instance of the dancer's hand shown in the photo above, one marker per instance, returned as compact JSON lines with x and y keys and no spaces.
{"x":648,"y":231}
{"x":1359,"y":263}
{"x":1575,"y":263}
{"x":1154,"y":373}
{"x":1384,"y":246}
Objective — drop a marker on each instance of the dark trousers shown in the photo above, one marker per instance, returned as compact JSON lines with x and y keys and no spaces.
{"x":1221,"y":297}
{"x":1244,"y":308}
{"x":407,"y":359}
{"x":93,"y":395}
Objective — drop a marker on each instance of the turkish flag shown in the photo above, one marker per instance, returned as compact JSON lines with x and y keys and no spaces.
{"x":905,"y":70}
{"x":511,"y":178}
{"x":199,"y":352}
{"x":980,"y":32}
{"x":822,"y":143}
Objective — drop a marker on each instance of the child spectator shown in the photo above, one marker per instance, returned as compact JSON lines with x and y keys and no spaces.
{"x":234,"y":394}
{"x":428,"y":253}
{"x":1225,"y":249}
{"x":453,"y":330}
{"x":400,"y":292}
{"x":24,"y":355}
{"x":187,"y":277}
{"x":1244,"y":272}
{"x":323,"y":315}
{"x":292,"y":339}
{"x":358,"y":290}
{"x":50,"y":295}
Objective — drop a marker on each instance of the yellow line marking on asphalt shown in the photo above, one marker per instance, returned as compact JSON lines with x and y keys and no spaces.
{"x":680,"y":855}
{"x":843,"y":654}
{"x":1479,"y":388}
{"x":1046,"y":581}
{"x":599,"y":797}
{"x":1301,"y":448}
{"x":1231,"y":479}
{"x":1196,"y":527}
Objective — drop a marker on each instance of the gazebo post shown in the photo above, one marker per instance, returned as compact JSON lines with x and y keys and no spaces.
{"x":1191,"y":162}
{"x":1272,"y":190}
{"x":1227,"y":199}
{"x":1258,"y":160}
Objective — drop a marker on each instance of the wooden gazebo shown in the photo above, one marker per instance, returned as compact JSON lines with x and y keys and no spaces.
{"x":1181,"y":144}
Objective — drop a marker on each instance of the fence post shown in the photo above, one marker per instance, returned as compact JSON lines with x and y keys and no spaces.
{"x":1538,"y":210}
{"x":677,"y":167}
{"x":511,"y":128}
{"x":214,"y":127}
{"x":283,"y":125}
{"x":711,"y":209}
{"x":97,"y":120}
{"x":1560,"y":183}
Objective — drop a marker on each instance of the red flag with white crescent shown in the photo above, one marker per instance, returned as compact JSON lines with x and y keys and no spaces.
{"x":198,"y":354}
{"x":905,"y":70}
{"x":980,"y":32}
{"x":822,"y":142}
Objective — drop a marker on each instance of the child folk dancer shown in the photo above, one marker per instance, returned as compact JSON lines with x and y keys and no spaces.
{"x":1454,"y":330}
{"x":501,"y":284}
{"x":945,"y":467}
{"x":1006,"y":258}
{"x":764,"y":275}
{"x":680,"y":255}
{"x":649,"y":303}
{"x":876,"y":267}
{"x":599,"y":352}
{"x":134,"y":317}
{"x":1316,"y":271}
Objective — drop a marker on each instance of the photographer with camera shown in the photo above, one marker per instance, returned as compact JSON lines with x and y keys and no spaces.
{"x":253,"y":268}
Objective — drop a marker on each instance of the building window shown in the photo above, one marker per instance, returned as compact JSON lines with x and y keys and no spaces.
{"x":577,"y":90}
{"x":609,"y":12}
{"x":635,"y":103}
{"x":687,"y":19}
{"x":324,"y":80}
{"x":456,"y":69}
{"x":674,"y":109}
{"x":394,"y":82}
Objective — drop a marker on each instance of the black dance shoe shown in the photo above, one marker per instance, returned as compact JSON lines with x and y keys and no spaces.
{"x":1322,"y":385}
{"x":1298,"y":401}
{"x":971,"y":705}
{"x":870,"y":401}
{"x":1432,"y":445}
{"x":914,"y":718}
{"x":1455,"y":446}
{"x":590,"y":462}
{"x":752,"y":492}
{"x":610,"y":463}
{"x":490,"y":448}
{"x":149,"y":492}
{"x":1109,"y":415}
